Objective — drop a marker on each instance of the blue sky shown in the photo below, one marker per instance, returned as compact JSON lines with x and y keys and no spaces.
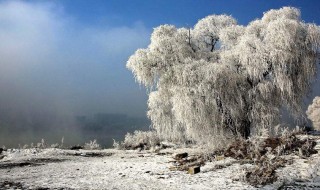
{"x":69,"y":56}
{"x":178,"y":12}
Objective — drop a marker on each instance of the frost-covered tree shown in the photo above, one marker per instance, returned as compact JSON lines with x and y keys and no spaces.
{"x":221,"y":78}
{"x":313,"y":113}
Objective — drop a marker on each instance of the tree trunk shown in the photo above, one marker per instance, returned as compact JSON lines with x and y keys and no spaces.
{"x":245,"y":128}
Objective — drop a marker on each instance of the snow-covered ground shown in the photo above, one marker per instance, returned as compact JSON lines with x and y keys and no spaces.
{"x":118,"y":169}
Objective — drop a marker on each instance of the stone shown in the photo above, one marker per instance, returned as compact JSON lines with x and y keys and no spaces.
{"x":76,"y":147}
{"x":180,"y":156}
{"x":194,"y":170}
{"x":218,"y":158}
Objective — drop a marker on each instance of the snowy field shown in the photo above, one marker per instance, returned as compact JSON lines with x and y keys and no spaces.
{"x":119,"y":169}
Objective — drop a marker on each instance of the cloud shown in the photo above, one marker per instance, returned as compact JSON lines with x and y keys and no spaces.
{"x":52,"y":63}
{"x":27,"y":32}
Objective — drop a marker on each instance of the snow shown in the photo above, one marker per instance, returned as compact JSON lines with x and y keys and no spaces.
{"x":119,"y":169}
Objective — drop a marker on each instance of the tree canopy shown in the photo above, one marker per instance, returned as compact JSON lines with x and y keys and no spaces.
{"x":222,"y":78}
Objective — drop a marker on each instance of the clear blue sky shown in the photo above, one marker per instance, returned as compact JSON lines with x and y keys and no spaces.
{"x":179,"y":12}
{"x":69,"y":56}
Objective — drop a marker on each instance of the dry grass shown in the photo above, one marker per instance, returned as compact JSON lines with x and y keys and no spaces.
{"x":268,"y":154}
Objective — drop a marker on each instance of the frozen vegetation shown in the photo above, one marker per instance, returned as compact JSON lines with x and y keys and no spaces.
{"x":51,"y":168}
{"x":220,"y":80}
{"x":216,"y":92}
{"x":313,"y":113}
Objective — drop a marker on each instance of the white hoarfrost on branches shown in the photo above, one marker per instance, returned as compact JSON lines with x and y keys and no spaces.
{"x":206,"y":32}
{"x":221,"y":79}
{"x":139,"y":140}
{"x":313,"y":113}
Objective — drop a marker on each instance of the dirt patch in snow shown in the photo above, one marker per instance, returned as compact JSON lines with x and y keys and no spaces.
{"x":31,"y":162}
{"x":9,"y":185}
{"x":90,"y":154}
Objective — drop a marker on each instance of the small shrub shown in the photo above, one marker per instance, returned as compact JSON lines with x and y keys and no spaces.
{"x":56,"y":145}
{"x":267,"y":154}
{"x":313,"y":113}
{"x":41,"y":144}
{"x":139,"y":140}
{"x":92,"y":145}
{"x":62,"y":141}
